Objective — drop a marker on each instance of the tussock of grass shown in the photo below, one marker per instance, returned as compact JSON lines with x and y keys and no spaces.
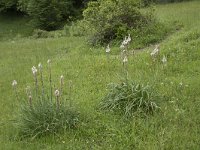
{"x":43,"y":118}
{"x":130,"y":99}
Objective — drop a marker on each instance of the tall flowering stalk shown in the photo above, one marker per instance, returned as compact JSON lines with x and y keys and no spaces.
{"x":124,"y":53}
{"x":164,"y":60}
{"x":61,"y":84}
{"x":70,"y":91}
{"x":41,"y":77}
{"x":108,"y":51}
{"x":125,"y":63}
{"x":154,"y":54}
{"x":50,"y":80}
{"x":14,"y":85}
{"x":29,"y":95}
{"x":57,"y":94}
{"x":34,"y":71}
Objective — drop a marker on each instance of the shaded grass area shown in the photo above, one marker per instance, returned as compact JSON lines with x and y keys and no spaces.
{"x":13,"y":25}
{"x":175,"y":127}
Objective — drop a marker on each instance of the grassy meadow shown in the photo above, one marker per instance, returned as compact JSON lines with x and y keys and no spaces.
{"x":176,"y":126}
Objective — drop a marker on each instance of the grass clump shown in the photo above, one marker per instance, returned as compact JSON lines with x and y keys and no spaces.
{"x":45,"y":112}
{"x":43,"y":118}
{"x":129,"y":99}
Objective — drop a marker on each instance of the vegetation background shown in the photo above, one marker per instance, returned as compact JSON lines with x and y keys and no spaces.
{"x":176,"y":126}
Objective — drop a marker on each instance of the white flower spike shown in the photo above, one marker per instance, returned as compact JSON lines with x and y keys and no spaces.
{"x":155,"y":52}
{"x":40,"y":66}
{"x":14,"y":83}
{"x":34,"y":70}
{"x":125,"y":60}
{"x":129,"y":38}
{"x":57,"y":93}
{"x":164,"y":59}
{"x":108,"y":49}
{"x":48,"y":61}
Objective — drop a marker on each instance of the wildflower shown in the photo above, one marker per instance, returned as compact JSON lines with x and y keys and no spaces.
{"x":122,"y":46}
{"x":30,"y":100}
{"x":61,"y":80}
{"x":34,"y":70}
{"x":164,"y":60}
{"x":14,"y":83}
{"x":125,"y":60}
{"x":57,"y":93}
{"x":108,"y":49}
{"x":61,"y":77}
{"x":48,"y":61}
{"x":125,"y":42}
{"x":155,"y":52}
{"x":129,"y":38}
{"x":40,"y":66}
{"x":28,"y":90}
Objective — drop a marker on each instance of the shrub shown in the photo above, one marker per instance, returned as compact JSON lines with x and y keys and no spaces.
{"x":49,"y":14}
{"x":7,"y":4}
{"x":107,"y":20}
{"x":129,"y":98}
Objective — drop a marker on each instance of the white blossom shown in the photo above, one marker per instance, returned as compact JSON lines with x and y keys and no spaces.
{"x":61,"y":79}
{"x":164,"y":59}
{"x":34,"y":70}
{"x":125,"y":60}
{"x":108,"y":49}
{"x":40,"y":66}
{"x":129,"y":38}
{"x":14,"y":83}
{"x":155,"y":52}
{"x":57,"y":93}
{"x":49,"y":61}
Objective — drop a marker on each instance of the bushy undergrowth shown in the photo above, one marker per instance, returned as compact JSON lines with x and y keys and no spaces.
{"x":129,"y":99}
{"x":43,"y":118}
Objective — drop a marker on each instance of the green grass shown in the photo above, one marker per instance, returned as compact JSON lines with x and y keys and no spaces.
{"x":13,"y":26}
{"x":176,"y":126}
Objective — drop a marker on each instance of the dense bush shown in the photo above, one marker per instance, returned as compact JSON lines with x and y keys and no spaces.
{"x":49,"y":14}
{"x":107,"y":20}
{"x":7,"y":4}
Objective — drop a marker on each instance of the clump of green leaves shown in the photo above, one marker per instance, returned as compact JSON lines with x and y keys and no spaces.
{"x":129,"y":99}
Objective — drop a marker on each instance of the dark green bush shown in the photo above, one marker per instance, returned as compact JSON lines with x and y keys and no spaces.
{"x":107,"y":19}
{"x":7,"y":4}
{"x":49,"y":14}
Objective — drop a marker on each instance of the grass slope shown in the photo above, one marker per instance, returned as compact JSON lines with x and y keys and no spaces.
{"x":175,"y":127}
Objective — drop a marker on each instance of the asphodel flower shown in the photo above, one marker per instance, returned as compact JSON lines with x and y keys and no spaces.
{"x":108,"y":49}
{"x":57,"y":93}
{"x":125,"y":60}
{"x":129,"y":38}
{"x":34,"y":70}
{"x":14,"y":83}
{"x":61,"y":79}
{"x":49,"y":61}
{"x":164,"y":59}
{"x":155,"y":52}
{"x":40,"y":66}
